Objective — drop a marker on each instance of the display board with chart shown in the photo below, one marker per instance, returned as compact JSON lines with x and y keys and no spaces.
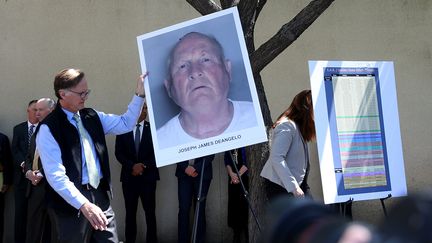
{"x":355,"y":117}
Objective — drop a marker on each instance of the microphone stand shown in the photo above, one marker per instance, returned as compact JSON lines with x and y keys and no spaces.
{"x":198,"y":202}
{"x":245,"y":192}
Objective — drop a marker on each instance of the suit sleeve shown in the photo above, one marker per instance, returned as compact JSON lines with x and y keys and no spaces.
{"x":121,"y":153}
{"x":199,"y":162}
{"x":181,"y":167}
{"x":17,"y":152}
{"x":227,"y":158}
{"x":6,"y":161}
{"x":28,"y":164}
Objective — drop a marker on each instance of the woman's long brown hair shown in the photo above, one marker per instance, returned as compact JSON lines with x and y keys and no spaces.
{"x":301,"y":112}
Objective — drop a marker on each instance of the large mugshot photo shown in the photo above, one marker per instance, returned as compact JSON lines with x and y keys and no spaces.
{"x":200,"y":88}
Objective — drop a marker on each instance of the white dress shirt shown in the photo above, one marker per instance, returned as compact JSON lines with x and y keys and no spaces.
{"x":50,"y":152}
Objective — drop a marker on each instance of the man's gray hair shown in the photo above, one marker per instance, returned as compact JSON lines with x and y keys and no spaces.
{"x":49,"y":102}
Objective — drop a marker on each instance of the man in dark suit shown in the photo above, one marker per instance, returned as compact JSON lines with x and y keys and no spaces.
{"x":20,"y":144}
{"x":188,"y":176}
{"x":134,"y":150}
{"x":6,"y":167}
{"x":38,"y":223}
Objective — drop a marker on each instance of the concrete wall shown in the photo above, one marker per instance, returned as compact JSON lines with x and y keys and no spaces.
{"x":39,"y":38}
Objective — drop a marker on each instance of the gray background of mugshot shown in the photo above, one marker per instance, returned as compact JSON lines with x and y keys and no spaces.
{"x":156,"y":50}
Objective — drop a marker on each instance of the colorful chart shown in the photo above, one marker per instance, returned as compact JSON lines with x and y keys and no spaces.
{"x":353,"y":100}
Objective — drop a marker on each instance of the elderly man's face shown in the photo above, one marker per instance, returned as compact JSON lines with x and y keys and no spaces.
{"x":199,"y":75}
{"x":42,"y":110}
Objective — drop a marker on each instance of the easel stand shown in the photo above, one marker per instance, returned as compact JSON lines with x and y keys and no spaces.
{"x":198,"y":202}
{"x":383,"y":206}
{"x":245,"y":192}
{"x":343,"y":208}
{"x":344,"y":205}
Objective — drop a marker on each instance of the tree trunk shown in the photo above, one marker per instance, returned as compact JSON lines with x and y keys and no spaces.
{"x":257,"y":155}
{"x":249,"y":11}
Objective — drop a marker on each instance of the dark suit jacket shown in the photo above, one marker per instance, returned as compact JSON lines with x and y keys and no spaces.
{"x":19,"y":153}
{"x":30,"y":155}
{"x":126,"y":155}
{"x":28,"y":165}
{"x":6,"y":160}
{"x":208,"y":169}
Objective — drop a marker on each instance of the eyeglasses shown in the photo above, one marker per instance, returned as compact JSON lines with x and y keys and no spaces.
{"x":83,"y":94}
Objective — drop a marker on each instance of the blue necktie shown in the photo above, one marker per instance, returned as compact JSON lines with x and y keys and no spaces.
{"x":92,"y":171}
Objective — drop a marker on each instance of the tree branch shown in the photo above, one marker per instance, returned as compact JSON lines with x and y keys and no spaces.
{"x":259,"y":8}
{"x":204,"y":7}
{"x":287,"y":34}
{"x":228,"y":3}
{"x":246,"y":10}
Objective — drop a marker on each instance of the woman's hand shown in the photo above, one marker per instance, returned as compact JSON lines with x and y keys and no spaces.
{"x":234,"y":178}
{"x":298,"y":192}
